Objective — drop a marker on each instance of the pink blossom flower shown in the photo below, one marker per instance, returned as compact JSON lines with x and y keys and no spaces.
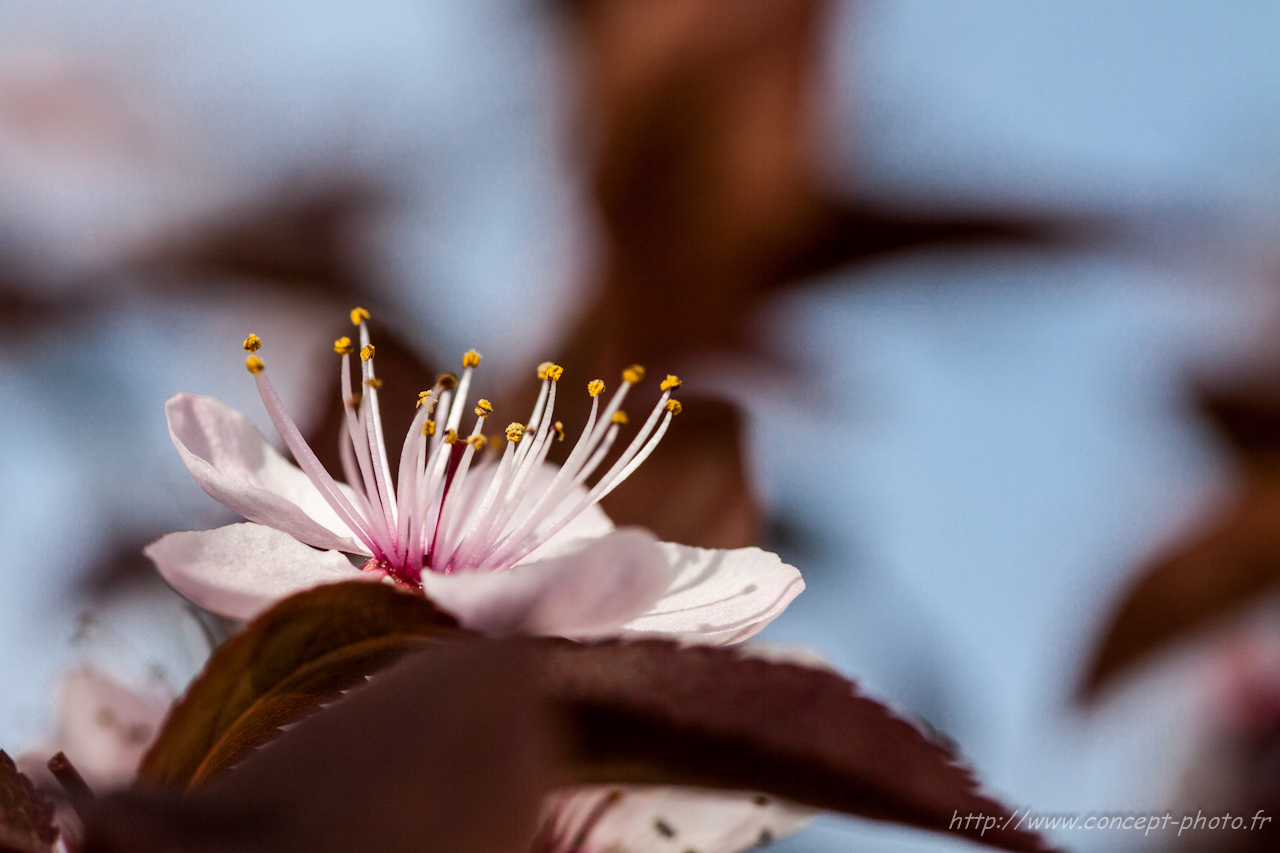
{"x":103,"y":726}
{"x":506,"y":542}
{"x":643,"y":819}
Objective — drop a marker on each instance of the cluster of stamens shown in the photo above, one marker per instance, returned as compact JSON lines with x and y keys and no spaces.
{"x":424,"y":519}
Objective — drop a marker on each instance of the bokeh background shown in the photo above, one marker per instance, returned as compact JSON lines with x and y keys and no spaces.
{"x":948,"y":277}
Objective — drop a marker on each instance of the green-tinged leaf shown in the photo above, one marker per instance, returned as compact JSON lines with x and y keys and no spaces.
{"x":654,"y":713}
{"x":301,"y":653}
{"x":26,"y":817}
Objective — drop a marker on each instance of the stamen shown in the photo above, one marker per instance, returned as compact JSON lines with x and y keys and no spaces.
{"x":307,"y":460}
{"x":377,"y":442}
{"x":598,"y":456}
{"x":554,"y":494}
{"x":406,"y":484}
{"x":441,"y":542}
{"x":427,"y":517}
{"x":482,"y":516}
{"x":636,"y":452}
{"x":357,"y":426}
{"x":469,"y":361}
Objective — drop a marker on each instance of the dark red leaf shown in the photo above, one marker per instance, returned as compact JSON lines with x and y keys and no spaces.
{"x":26,"y":817}
{"x":652,"y":712}
{"x":631,"y":712}
{"x":448,"y":752}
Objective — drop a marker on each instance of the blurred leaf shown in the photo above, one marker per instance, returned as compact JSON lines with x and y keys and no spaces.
{"x":301,"y":653}
{"x":26,"y":817}
{"x":707,"y":172}
{"x":645,"y":712}
{"x":298,"y":235}
{"x":1219,"y":571}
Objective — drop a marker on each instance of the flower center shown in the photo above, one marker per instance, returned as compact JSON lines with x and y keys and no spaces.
{"x":447,"y":510}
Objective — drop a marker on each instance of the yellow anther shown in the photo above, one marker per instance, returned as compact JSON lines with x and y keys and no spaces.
{"x":674,"y":407}
{"x":483,"y":409}
{"x":450,"y":436}
{"x":373,"y":382}
{"x":544,"y":367}
{"x":354,"y":401}
{"x":670,"y":382}
{"x":515,"y":432}
{"x":619,"y":417}
{"x":471,"y":359}
{"x":252,"y":343}
{"x":633,"y":374}
{"x":559,"y":425}
{"x":445,"y":381}
{"x":423,"y":397}
{"x":342,"y":346}
{"x":594,"y":387}
{"x":554,"y":372}
{"x":429,"y":428}
{"x":367,"y":353}
{"x":254,"y":364}
{"x":358,"y":316}
{"x":477,"y":441}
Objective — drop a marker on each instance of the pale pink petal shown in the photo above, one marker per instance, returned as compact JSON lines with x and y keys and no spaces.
{"x":104,"y":727}
{"x":241,"y":569}
{"x":720,"y":597}
{"x":588,"y":591}
{"x":635,"y":819}
{"x":237,"y":467}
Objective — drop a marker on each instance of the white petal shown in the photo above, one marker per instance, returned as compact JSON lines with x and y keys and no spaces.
{"x":660,"y":819}
{"x":241,"y":569}
{"x":720,"y":597}
{"x":104,"y":727}
{"x":585,"y":592}
{"x":237,"y":467}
